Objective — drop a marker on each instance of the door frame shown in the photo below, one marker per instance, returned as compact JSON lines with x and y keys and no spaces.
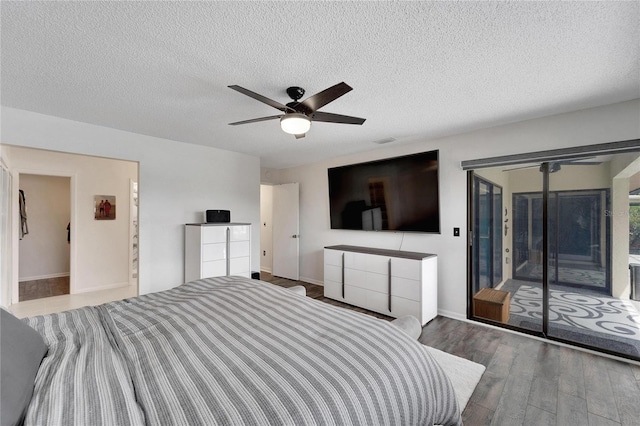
{"x":15,"y":220}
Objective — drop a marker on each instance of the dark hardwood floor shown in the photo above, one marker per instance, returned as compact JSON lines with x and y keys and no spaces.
{"x":527,"y":381}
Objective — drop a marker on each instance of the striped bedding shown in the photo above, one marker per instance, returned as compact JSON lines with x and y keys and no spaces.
{"x":233,"y":351}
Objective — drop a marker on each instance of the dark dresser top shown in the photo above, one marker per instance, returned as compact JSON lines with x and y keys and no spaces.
{"x":218,"y":224}
{"x":383,"y":252}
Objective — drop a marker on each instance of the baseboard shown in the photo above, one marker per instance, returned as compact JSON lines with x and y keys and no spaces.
{"x":312,"y":281}
{"x":452,"y":315}
{"x":267,"y":270}
{"x":44,"y":277}
{"x":102,"y":287}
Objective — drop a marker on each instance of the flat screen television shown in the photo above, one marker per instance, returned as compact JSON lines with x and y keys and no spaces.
{"x":394,"y":194}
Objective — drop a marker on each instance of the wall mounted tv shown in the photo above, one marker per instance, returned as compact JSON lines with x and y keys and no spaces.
{"x":394,"y":194}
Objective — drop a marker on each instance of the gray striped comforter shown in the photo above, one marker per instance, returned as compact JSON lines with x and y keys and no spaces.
{"x":233,"y":351}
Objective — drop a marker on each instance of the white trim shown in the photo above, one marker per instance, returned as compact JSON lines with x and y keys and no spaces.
{"x":312,"y":281}
{"x":104,"y":287}
{"x":454,"y":315}
{"x":44,"y":277}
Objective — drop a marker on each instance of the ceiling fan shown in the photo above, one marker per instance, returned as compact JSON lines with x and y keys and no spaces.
{"x":555,"y":166}
{"x":297,"y":116}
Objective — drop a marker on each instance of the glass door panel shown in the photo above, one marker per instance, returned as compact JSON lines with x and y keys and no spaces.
{"x":501,"y":244}
{"x":590,"y":249}
{"x":525,"y":284}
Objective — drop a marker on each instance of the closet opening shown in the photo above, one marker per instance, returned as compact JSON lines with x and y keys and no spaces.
{"x":45,"y":236}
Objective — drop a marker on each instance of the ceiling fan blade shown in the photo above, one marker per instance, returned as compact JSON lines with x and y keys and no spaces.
{"x":255,"y":120}
{"x":328,"y":117}
{"x":300,"y":136}
{"x":263,"y":99}
{"x":320,"y":99}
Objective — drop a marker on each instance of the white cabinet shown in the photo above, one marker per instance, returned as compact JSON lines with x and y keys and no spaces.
{"x":217,"y":249}
{"x":390,"y":282}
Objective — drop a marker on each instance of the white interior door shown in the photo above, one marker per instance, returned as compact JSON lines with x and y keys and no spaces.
{"x":286,"y":226}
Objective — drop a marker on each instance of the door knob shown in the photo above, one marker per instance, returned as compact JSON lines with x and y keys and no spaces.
{"x":295,"y":236}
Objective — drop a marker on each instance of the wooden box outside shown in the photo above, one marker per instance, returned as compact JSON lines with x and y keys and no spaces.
{"x":492,"y":304}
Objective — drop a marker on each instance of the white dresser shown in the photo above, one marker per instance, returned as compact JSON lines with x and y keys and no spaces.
{"x":217,"y":249}
{"x":390,"y":282}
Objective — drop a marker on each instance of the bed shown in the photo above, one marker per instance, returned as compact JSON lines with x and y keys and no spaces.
{"x":231,"y":351}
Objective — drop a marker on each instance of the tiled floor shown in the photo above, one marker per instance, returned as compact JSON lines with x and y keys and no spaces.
{"x":65,"y":302}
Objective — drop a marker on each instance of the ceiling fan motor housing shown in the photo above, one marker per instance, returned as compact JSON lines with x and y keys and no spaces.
{"x":295,"y":92}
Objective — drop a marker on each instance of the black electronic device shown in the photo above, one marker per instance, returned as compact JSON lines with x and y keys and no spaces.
{"x":218,"y":216}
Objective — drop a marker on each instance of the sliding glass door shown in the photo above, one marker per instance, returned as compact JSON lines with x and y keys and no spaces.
{"x":569,"y":249}
{"x":588,"y":285}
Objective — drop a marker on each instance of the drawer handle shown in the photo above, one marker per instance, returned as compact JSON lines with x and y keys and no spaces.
{"x":389,"y":278}
{"x":228,"y":254}
{"x":343,"y":275}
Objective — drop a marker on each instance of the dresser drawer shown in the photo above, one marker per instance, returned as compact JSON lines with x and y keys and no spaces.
{"x":240,"y":249}
{"x":406,"y":268}
{"x":333,"y":257}
{"x":214,"y":234}
{"x":214,"y":268}
{"x":405,"y":288}
{"x":216,"y":251}
{"x":401,"y":307}
{"x":333,"y":290}
{"x":239,"y":265}
{"x":355,"y":260}
{"x":240,"y":233}
{"x":333,"y":273}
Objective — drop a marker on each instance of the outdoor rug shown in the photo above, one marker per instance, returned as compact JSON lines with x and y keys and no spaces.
{"x":601,"y":314}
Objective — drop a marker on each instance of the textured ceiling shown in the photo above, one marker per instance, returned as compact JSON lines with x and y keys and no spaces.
{"x":419,"y":69}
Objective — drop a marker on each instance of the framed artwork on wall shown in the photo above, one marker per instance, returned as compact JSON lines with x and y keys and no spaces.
{"x":104,"y":207}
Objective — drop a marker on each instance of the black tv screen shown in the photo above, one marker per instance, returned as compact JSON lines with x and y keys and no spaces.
{"x":394,"y":194}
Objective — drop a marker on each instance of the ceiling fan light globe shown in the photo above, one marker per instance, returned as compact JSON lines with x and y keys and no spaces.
{"x":295,"y":124}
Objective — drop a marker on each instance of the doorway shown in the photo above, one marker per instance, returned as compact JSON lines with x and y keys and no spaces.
{"x":45,"y":236}
{"x":279,"y":233}
{"x":102,"y":253}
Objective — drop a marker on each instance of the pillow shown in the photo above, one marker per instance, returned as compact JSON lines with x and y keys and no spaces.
{"x":409,"y":324}
{"x":21,"y":352}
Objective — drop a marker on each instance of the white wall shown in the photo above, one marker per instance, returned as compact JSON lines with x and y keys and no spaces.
{"x":44,"y":251}
{"x":177,"y":183}
{"x":597,"y":125}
